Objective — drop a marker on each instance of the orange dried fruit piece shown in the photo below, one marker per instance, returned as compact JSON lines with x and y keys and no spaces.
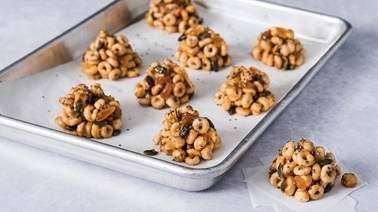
{"x":103,"y":114}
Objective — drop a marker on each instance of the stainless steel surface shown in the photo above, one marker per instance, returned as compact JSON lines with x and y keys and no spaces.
{"x":73,"y":43}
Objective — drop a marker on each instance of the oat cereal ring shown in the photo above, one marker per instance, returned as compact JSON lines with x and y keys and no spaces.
{"x":185,"y":131}
{"x":288,"y":149}
{"x":245,"y":92}
{"x":300,"y":170}
{"x":89,"y":113}
{"x":302,"y":195}
{"x":288,"y":186}
{"x":316,"y":191}
{"x":328,"y":173}
{"x":110,"y":57}
{"x":277,"y":47}
{"x":209,"y":50}
{"x":275,"y":180}
{"x":172,"y":16}
{"x":316,"y":171}
{"x":166,"y":84}
{"x":305,"y":158}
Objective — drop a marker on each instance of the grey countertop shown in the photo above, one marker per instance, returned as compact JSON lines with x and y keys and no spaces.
{"x":337,"y":109}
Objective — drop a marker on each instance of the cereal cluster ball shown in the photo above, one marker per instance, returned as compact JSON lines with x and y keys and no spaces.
{"x":305,"y":171}
{"x":245,"y":92}
{"x":187,"y":136}
{"x":349,"y":180}
{"x":110,"y":57}
{"x":202,"y":48}
{"x":172,"y":15}
{"x":90,"y":113}
{"x":166,"y":84}
{"x":277,"y":47}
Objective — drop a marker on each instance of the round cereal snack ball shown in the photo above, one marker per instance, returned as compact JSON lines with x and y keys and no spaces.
{"x":349,"y":180}
{"x":172,"y":15}
{"x":187,"y":136}
{"x":166,"y":84}
{"x":88,"y":112}
{"x":110,"y":57}
{"x":201,"y":48}
{"x":245,"y":92}
{"x":304,"y":171}
{"x":277,"y":47}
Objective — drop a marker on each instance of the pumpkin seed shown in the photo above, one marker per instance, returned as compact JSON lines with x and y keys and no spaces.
{"x":214,"y":66}
{"x":325,"y":162}
{"x":182,"y":37}
{"x":280,"y":170}
{"x":101,"y":123}
{"x":283,"y":187}
{"x":71,"y":128}
{"x":200,"y":20}
{"x":232,"y":111}
{"x":150,"y":81}
{"x":185,"y":130}
{"x":291,"y":67}
{"x":327,"y":188}
{"x":211,"y":123}
{"x":91,"y":98}
{"x":161,"y":70}
{"x":78,"y":105}
{"x":116,"y":132}
{"x":100,"y":45}
{"x":150,"y":152}
{"x":75,"y":113}
{"x":204,"y":36}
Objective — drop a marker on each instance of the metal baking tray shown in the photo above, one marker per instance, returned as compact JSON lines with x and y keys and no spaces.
{"x":238,"y":22}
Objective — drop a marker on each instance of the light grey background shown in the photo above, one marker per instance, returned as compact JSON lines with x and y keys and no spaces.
{"x":338,"y":109}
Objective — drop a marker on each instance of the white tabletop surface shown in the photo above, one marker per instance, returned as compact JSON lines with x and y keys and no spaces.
{"x":337,"y":109}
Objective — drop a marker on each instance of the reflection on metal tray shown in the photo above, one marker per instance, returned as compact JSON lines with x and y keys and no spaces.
{"x":238,"y":22}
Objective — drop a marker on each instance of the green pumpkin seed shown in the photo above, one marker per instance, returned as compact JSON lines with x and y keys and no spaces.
{"x":291,"y":67}
{"x":185,"y":130}
{"x":71,"y":128}
{"x":325,"y":162}
{"x":280,"y":170}
{"x":116,"y":132}
{"x":327,"y":189}
{"x":161,"y":70}
{"x":150,"y":152}
{"x":150,"y":81}
{"x":210,"y":123}
{"x":101,"y":123}
{"x":75,"y":113}
{"x":232,"y":111}
{"x":214,"y":66}
{"x":78,"y":105}
{"x":204,"y":36}
{"x":182,"y":37}
{"x":283,"y":187}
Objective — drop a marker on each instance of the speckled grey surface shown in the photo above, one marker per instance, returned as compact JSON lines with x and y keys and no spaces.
{"x":337,"y":109}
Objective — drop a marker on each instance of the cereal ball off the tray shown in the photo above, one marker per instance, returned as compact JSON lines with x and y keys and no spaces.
{"x":245,"y":92}
{"x":90,"y":113}
{"x":202,"y":48}
{"x":186,"y":136}
{"x":110,"y":57}
{"x":349,"y":180}
{"x":304,"y":171}
{"x":166,"y":84}
{"x":277,"y":47}
{"x":172,"y":15}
